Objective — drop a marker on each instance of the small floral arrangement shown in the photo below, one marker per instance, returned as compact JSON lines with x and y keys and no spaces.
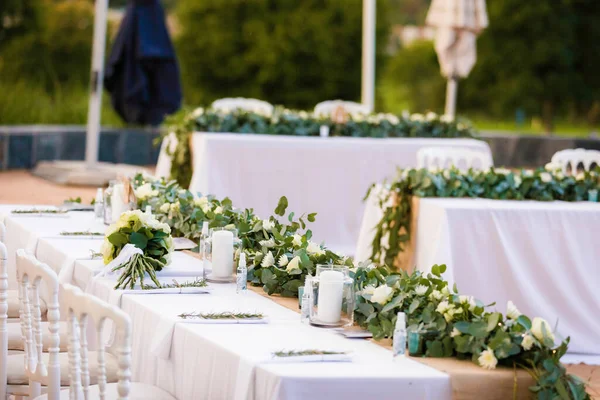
{"x":459,"y":326}
{"x":543,"y":184}
{"x":144,"y":232}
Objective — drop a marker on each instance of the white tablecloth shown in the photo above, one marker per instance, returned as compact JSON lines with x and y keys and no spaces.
{"x":329,"y":176}
{"x":545,"y":257}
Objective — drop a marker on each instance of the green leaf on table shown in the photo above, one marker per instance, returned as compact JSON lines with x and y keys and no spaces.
{"x":311,"y":217}
{"x":493,"y":320}
{"x":462,"y":326}
{"x":478,"y":329}
{"x":281,"y":206}
{"x":413,"y":306}
{"x":435,"y":348}
{"x":118,"y":239}
{"x":524,"y":322}
{"x":291,"y":216}
{"x":396,"y":301}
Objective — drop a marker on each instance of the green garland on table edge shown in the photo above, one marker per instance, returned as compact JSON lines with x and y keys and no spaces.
{"x":279,"y":251}
{"x":458,"y":326}
{"x":392,"y":233}
{"x":299,"y":123}
{"x":281,"y":254}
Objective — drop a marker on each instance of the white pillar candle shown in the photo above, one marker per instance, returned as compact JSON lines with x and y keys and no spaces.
{"x":116,"y":201}
{"x":331,"y":287}
{"x":324,"y":131}
{"x":222,"y":254}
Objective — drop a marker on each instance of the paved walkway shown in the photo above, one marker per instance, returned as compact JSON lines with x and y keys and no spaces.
{"x":20,"y":187}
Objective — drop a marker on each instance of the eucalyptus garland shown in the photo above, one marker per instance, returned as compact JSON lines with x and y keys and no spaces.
{"x":299,"y":123}
{"x":392,"y":233}
{"x":455,"y":325}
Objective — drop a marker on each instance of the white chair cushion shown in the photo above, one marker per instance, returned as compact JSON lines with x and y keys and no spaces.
{"x":13,"y":304}
{"x":16,"y":368}
{"x":137,"y":391}
{"x":15,"y":341}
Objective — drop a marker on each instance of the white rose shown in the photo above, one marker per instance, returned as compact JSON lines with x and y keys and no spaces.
{"x":552,"y":166}
{"x":545,"y":177}
{"x":518,"y":181}
{"x":206,"y":208}
{"x":433,"y":170}
{"x":200,"y":201}
{"x":463,"y":299}
{"x":487,"y":359}
{"x":580,"y":176}
{"x":512,"y":312}
{"x":445,"y":291}
{"x":417,"y":117}
{"x":268,"y":260}
{"x":382,"y":294}
{"x":268,"y":224}
{"x":538,"y":326}
{"x":528,"y":172}
{"x":472,"y":304}
{"x":527,"y":342}
{"x":283,"y":260}
{"x":455,"y":332}
{"x":420,"y":290}
{"x":559,"y":175}
{"x":446,"y":174}
{"x":368,"y":290}
{"x":461,"y":126}
{"x":175,"y":207}
{"x":436,"y":295}
{"x":165,"y":208}
{"x":501,"y":171}
{"x":297,"y":240}
{"x":219,"y":210}
{"x":293,"y":264}
{"x":267,"y":243}
{"x":442,"y":307}
{"x":446,"y":118}
{"x":392,"y":119}
{"x":198,"y":112}
{"x":314,"y":248}
{"x":430,"y":116}
{"x":449,"y":314}
{"x":145,"y":191}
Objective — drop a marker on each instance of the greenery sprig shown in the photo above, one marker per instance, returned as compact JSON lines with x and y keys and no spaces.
{"x":39,"y":211}
{"x":197,"y":283}
{"x":83,"y":233}
{"x":136,"y":268}
{"x":300,"y":353}
{"x":221,"y":315}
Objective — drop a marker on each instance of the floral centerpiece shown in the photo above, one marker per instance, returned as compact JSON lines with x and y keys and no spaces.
{"x":459,"y":326}
{"x":136,"y":245}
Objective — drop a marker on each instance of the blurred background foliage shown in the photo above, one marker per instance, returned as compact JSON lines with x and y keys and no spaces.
{"x":536,"y":70}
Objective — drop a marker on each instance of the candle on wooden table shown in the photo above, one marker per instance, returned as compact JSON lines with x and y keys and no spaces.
{"x":331,"y":287}
{"x":116,"y":201}
{"x":222,"y":254}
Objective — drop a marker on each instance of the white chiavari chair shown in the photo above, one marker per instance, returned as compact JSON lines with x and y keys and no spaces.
{"x":573,"y":160}
{"x":459,"y":157}
{"x":327,"y":108}
{"x":12,"y":295}
{"x":81,"y":309}
{"x":230,"y":104}
{"x":2,"y":232}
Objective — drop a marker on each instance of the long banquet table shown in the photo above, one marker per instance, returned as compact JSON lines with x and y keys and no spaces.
{"x":196,"y":361}
{"x":543,"y":256}
{"x":329,"y":176}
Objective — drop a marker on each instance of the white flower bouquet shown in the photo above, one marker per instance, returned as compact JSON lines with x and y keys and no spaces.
{"x":136,"y":245}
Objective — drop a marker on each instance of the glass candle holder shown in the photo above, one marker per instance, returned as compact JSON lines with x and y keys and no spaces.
{"x":593,"y":195}
{"x":333,"y":297}
{"x":219,"y":252}
{"x":108,"y":202}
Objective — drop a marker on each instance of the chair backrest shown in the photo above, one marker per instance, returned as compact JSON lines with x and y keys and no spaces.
{"x":81,"y":307}
{"x":326,"y":108}
{"x":459,"y":157}
{"x":573,"y":160}
{"x":3,"y":317}
{"x":2,"y":232}
{"x":230,"y":104}
{"x":30,"y":275}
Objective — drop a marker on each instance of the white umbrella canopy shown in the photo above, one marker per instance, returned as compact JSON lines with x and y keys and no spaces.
{"x":458,"y":23}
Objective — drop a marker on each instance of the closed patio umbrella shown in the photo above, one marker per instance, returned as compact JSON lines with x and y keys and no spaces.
{"x":458,"y":23}
{"x":142,"y":74}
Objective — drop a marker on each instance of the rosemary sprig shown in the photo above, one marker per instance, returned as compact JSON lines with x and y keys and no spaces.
{"x":299,"y":353}
{"x":221,"y":315}
{"x":95,"y":254}
{"x":84,"y":233}
{"x":39,"y":211}
{"x":197,"y":283}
